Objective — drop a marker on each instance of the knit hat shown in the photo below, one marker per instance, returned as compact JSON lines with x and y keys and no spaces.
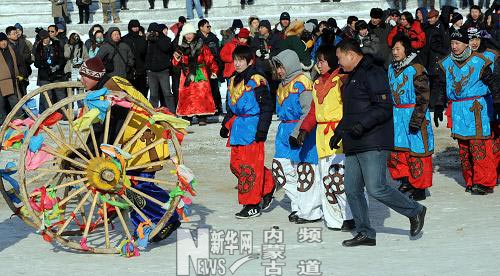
{"x":309,"y":26}
{"x":162,"y":27}
{"x":376,"y":13}
{"x":43,"y":34}
{"x":284,"y":16}
{"x":188,"y":28}
{"x":332,"y":23}
{"x":460,"y":35}
{"x":18,"y":26}
{"x":473,"y":33}
{"x":265,"y":23}
{"x":93,"y":68}
{"x":244,"y":33}
{"x":361,"y":25}
{"x":432,"y":13}
{"x":3,"y":36}
{"x":237,"y":24}
{"x":456,"y":17}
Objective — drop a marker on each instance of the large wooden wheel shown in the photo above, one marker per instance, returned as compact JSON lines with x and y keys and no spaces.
{"x":76,"y":181}
{"x":10,"y":153}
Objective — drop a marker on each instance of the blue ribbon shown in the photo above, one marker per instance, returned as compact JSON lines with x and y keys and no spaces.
{"x":93,"y":100}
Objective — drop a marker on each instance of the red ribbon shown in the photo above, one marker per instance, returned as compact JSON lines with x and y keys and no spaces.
{"x":329,"y":126}
{"x":449,"y":108}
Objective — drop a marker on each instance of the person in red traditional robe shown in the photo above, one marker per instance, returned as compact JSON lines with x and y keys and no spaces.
{"x":193,"y":58}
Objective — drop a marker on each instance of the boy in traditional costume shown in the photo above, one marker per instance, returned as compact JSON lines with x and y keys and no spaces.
{"x":466,"y":78}
{"x":249,"y":114}
{"x":295,"y":167}
{"x":411,"y":160}
{"x":325,"y":115}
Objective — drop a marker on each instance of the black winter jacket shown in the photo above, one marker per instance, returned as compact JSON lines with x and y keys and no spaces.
{"x":366,"y":100}
{"x":50,"y":61}
{"x":139,"y":46}
{"x":436,"y":47}
{"x":159,"y":54}
{"x":212,"y":42}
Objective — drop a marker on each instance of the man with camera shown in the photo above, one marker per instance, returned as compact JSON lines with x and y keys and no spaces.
{"x":158,"y":65}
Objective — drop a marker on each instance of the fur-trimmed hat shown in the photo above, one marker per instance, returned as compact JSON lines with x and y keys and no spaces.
{"x":188,"y":28}
{"x":93,"y":68}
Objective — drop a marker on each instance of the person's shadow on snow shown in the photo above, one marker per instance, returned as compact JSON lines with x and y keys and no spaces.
{"x":447,"y":163}
{"x":13,"y":230}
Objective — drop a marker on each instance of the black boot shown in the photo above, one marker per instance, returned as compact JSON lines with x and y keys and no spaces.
{"x":478,"y":189}
{"x":360,"y":239}
{"x":417,"y":222}
{"x":293,"y":216}
{"x":418,"y":194}
{"x":165,"y":4}
{"x":348,"y":225}
{"x":268,"y":199}
{"x":249,"y":211}
{"x":151,"y":4}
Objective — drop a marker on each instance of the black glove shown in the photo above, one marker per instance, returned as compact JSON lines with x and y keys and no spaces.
{"x":357,"y":130}
{"x":224,"y":132}
{"x":260,"y":136}
{"x":438,"y":114}
{"x":414,"y":129}
{"x":299,"y":141}
{"x":335,"y":140}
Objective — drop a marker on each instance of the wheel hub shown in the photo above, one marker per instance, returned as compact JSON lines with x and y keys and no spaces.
{"x":103,"y":174}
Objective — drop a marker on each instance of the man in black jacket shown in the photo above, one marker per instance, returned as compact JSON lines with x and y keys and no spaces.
{"x":212,"y":42}
{"x":158,"y":64}
{"x":436,"y":48}
{"x":139,"y":46}
{"x":367,"y":134}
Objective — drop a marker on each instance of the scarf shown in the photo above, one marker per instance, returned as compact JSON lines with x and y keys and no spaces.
{"x":463,"y":56}
{"x":399,"y":65}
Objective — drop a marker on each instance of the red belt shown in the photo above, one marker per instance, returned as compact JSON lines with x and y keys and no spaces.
{"x":330,"y":126}
{"x":450,"y":103}
{"x":290,"y":121}
{"x":404,"y":105}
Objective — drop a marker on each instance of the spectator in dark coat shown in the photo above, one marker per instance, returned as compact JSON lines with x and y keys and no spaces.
{"x":368,"y":41}
{"x":280,"y":28}
{"x":411,"y":28}
{"x":158,"y":64}
{"x":50,"y":61}
{"x":367,"y":131}
{"x":139,"y":46}
{"x":229,"y":34}
{"x":83,"y":11}
{"x":436,"y":48}
{"x":23,"y":54}
{"x":9,"y":75}
{"x":495,"y":90}
{"x":456,"y":21}
{"x":116,"y":55}
{"x":381,"y":29}
{"x":293,"y":42}
{"x":475,"y":19}
{"x":349,"y":30}
{"x":212,"y":42}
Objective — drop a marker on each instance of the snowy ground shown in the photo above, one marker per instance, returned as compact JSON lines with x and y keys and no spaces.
{"x":459,"y":237}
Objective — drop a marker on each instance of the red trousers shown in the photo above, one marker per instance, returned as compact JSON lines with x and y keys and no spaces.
{"x":254,"y":179}
{"x":479,"y":163}
{"x":418,"y":169}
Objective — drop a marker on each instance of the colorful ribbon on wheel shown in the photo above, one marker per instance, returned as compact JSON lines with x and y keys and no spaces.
{"x":10,"y":169}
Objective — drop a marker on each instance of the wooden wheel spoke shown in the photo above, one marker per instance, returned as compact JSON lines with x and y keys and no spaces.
{"x":106,"y":226}
{"x":94,"y":140}
{"x":122,"y":221}
{"x":148,"y":197}
{"x":148,"y":165}
{"x":49,"y":102}
{"x":50,"y":150}
{"x":78,"y":136}
{"x":135,"y":138}
{"x":59,"y":186}
{"x":135,"y":208}
{"x":106,"y":128}
{"x":122,"y":129}
{"x":78,"y":206}
{"x":42,"y":175}
{"x":91,"y":213}
{"x":147,"y":148}
{"x":62,"y":171}
{"x":70,"y":118}
{"x":64,"y":144}
{"x":68,"y":198}
{"x":153,"y":180}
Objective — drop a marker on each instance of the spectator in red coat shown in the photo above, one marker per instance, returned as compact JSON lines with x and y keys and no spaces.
{"x":411,"y":28}
{"x":226,"y":54}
